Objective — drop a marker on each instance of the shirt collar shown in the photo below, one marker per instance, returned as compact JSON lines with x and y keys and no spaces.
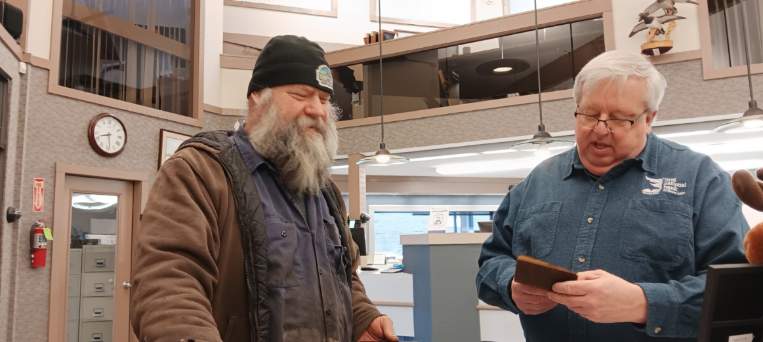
{"x":252,"y":158}
{"x":648,"y":158}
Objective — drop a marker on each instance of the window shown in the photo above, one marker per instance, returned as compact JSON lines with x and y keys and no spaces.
{"x":519,"y":6}
{"x":477,"y":71}
{"x":727,"y":44}
{"x":4,"y":108}
{"x":12,"y":17}
{"x":388,"y":222}
{"x":138,"y":51}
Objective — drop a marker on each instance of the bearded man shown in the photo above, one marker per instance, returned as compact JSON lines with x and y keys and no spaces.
{"x":243,"y":237}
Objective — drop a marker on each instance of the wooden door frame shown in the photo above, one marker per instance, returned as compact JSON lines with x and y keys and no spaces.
{"x":59,"y":257}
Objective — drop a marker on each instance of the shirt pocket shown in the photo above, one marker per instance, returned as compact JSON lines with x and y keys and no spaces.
{"x":337,"y":253}
{"x":535,"y":230}
{"x":656,"y":231}
{"x":282,"y":250}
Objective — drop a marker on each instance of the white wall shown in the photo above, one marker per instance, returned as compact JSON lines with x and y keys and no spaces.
{"x":232,"y":87}
{"x":349,"y":27}
{"x":213,"y":47}
{"x":40,"y":19}
{"x":625,"y":15}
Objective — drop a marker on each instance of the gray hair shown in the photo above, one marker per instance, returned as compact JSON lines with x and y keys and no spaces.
{"x":618,"y":66}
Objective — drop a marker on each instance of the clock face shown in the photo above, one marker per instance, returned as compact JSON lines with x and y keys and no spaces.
{"x":107,"y":135}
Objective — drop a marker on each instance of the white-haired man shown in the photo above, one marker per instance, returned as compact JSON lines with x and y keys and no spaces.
{"x":244,"y":235}
{"x":637,"y":217}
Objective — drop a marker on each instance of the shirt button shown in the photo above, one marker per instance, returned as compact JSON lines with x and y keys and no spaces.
{"x":601,"y":187}
{"x":581,"y":259}
{"x":320,"y":273}
{"x":283,"y":234}
{"x":657,"y":330}
{"x":589,"y":220}
{"x":328,"y":312}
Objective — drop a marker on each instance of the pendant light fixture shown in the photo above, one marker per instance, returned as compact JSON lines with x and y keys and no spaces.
{"x":382,"y":155}
{"x":542,"y":139}
{"x":753,"y":116}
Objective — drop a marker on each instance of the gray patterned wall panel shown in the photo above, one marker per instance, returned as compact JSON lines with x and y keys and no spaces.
{"x":214,"y":121}
{"x":10,"y":167}
{"x":688,"y":96}
{"x":56,"y":132}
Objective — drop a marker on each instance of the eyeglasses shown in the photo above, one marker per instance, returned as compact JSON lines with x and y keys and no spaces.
{"x":589,"y":121}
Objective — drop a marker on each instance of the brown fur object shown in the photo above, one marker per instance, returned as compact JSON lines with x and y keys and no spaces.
{"x":750,"y":191}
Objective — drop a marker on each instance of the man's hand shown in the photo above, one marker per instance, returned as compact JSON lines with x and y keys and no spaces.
{"x":380,"y":329}
{"x":602,"y":297}
{"x":531,"y":300}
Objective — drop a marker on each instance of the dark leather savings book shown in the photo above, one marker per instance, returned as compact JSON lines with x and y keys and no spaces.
{"x":540,"y":274}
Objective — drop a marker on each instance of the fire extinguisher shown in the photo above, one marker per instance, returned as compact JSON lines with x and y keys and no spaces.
{"x":39,"y":244}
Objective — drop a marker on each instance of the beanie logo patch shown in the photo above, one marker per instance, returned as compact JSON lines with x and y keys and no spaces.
{"x":323,"y":76}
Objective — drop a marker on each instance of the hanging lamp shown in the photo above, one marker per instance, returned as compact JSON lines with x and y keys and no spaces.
{"x":753,"y":116}
{"x":542,"y":139}
{"x":382,"y":155}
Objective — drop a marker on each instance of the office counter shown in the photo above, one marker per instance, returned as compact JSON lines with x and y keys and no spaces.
{"x":435,"y":299}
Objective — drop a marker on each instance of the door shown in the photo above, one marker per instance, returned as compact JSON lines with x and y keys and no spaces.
{"x":100,"y":222}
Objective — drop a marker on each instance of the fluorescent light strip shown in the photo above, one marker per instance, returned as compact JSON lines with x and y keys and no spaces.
{"x":487,"y":166}
{"x":744,"y":164}
{"x":729,"y":147}
{"x":507,"y":150}
{"x":339,"y":167}
{"x":445,"y":156}
{"x":685,"y":134}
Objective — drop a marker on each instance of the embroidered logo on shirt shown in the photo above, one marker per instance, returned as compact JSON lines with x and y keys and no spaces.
{"x":669,"y":185}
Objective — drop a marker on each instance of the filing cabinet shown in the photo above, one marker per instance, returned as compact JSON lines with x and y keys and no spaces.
{"x":95,"y":332}
{"x":97,"y":284}
{"x":91,"y":293}
{"x":98,"y":258}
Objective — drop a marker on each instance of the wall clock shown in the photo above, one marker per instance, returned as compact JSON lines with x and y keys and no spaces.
{"x":107,"y":135}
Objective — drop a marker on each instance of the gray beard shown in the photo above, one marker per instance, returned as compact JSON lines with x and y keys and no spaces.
{"x":302,"y":158}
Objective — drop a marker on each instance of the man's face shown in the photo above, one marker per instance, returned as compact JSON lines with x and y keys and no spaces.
{"x":297,"y":102}
{"x":294,"y":127}
{"x":601,"y":148}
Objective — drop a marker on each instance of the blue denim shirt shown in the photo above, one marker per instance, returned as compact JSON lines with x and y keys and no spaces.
{"x":657,"y":220}
{"x":309,"y":296}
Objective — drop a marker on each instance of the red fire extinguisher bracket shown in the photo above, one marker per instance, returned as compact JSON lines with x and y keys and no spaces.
{"x":38,"y":245}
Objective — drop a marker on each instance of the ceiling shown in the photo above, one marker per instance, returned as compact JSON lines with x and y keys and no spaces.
{"x":737,"y":150}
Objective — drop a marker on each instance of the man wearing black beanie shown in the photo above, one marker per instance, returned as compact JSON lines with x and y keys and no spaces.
{"x":244,"y":235}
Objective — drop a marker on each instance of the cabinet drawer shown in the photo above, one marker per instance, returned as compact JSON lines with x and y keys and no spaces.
{"x":96,"y":309}
{"x":75,"y":261}
{"x":75,"y":281}
{"x":98,"y":284}
{"x":72,"y":330}
{"x":95,"y":332}
{"x":98,"y":258}
{"x":73,"y":305}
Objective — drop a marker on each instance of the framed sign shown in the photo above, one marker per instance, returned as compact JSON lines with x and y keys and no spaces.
{"x":169,"y":142}
{"x":326,"y":8}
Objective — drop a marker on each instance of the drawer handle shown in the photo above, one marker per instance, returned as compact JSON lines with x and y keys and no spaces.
{"x":99,"y":287}
{"x":100,"y":262}
{"x":96,"y":337}
{"x":98,"y":312}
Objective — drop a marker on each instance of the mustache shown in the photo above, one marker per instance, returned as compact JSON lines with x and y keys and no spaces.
{"x":305,"y":122}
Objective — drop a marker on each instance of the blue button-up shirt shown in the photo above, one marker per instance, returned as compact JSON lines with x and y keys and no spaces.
{"x":657,"y":220}
{"x":309,"y":296}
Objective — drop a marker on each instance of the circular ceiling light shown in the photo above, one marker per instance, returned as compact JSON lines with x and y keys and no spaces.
{"x":501,"y":67}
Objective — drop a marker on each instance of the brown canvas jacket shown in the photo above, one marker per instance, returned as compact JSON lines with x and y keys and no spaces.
{"x":188,"y":265}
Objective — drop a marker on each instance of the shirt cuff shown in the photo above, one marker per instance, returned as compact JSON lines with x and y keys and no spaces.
{"x":505,"y":283}
{"x":663,"y":313}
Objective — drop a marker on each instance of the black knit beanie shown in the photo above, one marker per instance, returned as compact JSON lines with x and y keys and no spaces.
{"x":291,"y":60}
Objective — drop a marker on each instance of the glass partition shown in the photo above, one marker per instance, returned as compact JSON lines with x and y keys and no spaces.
{"x":488,"y":69}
